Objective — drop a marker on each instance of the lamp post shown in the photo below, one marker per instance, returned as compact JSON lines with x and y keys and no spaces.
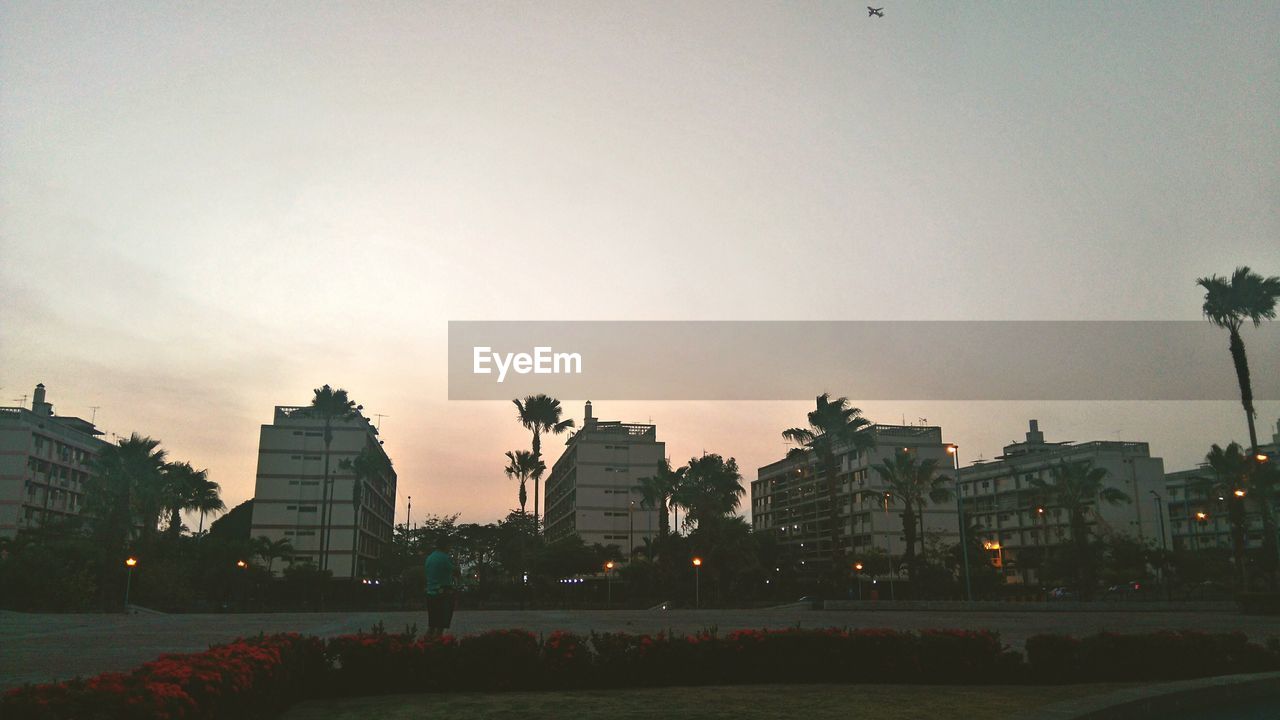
{"x":130,"y":563}
{"x":608,"y":580}
{"x":697,"y":582}
{"x":954,"y":451}
{"x":631,"y":530}
{"x":857,"y":578}
{"x":1164,"y":543}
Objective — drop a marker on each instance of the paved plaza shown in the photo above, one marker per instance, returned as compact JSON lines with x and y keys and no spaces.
{"x":41,"y":648}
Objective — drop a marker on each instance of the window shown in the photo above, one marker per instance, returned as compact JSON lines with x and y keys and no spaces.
{"x":306,"y":508}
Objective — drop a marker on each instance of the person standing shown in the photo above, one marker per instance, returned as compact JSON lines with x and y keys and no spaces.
{"x":442,"y":587}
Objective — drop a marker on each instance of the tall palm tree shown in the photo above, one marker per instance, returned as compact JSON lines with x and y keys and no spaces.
{"x":521,"y":465}
{"x":329,"y":405}
{"x":1078,"y":487}
{"x":369,"y":465}
{"x":1228,"y":302}
{"x":539,"y":414}
{"x":124,"y":495}
{"x":712,"y":489}
{"x":834,"y":425}
{"x":184,"y":488}
{"x":914,"y":483}
{"x":207,"y":499}
{"x":658,"y":492}
{"x":1230,"y":476}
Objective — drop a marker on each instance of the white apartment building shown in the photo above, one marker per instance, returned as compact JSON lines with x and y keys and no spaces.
{"x":288,"y":497}
{"x":790,"y":498}
{"x":45,"y":460}
{"x":591,"y":491}
{"x":1011,"y":516}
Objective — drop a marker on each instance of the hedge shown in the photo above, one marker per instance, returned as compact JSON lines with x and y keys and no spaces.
{"x":260,"y":677}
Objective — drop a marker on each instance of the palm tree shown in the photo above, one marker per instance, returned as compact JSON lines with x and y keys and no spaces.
{"x":186,"y":488}
{"x":539,"y":414}
{"x":329,"y":405}
{"x":268,"y":549}
{"x":125,"y":492}
{"x":712,"y":489}
{"x":370,"y":464}
{"x":1231,"y":470}
{"x":207,"y":499}
{"x":659,"y":491}
{"x":1078,"y":487}
{"x":833,"y":425}
{"x":1228,"y":302}
{"x":521,"y":465}
{"x":915,"y":484}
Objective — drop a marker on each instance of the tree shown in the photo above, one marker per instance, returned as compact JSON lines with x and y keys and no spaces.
{"x":1228,"y":302}
{"x":329,"y":405}
{"x":1264,"y":485}
{"x":371,"y":464}
{"x":185,"y":488}
{"x":124,"y":493}
{"x":521,"y":465}
{"x":539,"y":414}
{"x":1078,"y":487}
{"x":712,"y":489}
{"x":834,"y":425}
{"x":269,"y":550}
{"x":1231,"y":469}
{"x":914,"y":484}
{"x":658,"y":491}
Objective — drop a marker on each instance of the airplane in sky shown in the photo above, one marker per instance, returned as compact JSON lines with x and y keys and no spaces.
{"x":875,"y":12}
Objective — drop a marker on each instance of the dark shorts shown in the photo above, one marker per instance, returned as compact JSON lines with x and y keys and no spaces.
{"x":440,"y":610}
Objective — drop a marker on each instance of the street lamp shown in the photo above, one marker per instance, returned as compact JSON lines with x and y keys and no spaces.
{"x":242,"y":564}
{"x":608,"y":579}
{"x":130,"y":563}
{"x":697,"y":582}
{"x":954,"y":452}
{"x":857,"y":577}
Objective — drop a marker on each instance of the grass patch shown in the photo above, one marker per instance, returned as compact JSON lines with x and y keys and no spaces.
{"x":740,"y":702}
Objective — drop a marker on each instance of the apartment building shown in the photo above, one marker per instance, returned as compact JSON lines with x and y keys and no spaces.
{"x":791,"y":499}
{"x":289,"y":498}
{"x":1015,"y":521}
{"x":590,"y":491}
{"x":45,"y":460}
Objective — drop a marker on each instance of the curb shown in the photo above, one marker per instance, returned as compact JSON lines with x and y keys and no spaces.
{"x":1163,"y":700}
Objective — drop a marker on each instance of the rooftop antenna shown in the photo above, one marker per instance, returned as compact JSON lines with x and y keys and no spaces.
{"x":21,"y":401}
{"x":94,"y":418}
{"x":924,"y":421}
{"x":378,"y":425}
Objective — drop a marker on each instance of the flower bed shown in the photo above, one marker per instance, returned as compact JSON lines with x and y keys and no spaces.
{"x":260,"y":677}
{"x":247,"y":678}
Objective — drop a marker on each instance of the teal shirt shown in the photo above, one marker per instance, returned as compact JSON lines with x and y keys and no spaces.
{"x":439,"y":572}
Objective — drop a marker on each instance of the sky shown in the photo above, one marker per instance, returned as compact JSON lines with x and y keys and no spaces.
{"x":207,"y":210}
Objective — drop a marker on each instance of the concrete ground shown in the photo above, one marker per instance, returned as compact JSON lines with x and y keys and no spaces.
{"x":43,"y":648}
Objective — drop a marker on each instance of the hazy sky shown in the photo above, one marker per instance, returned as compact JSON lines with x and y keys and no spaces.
{"x":209,"y":210}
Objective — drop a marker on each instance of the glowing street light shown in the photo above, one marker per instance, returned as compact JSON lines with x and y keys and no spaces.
{"x":130,"y":563}
{"x":698,"y":582}
{"x":242,"y":564}
{"x":608,"y":578}
{"x":1239,"y":493}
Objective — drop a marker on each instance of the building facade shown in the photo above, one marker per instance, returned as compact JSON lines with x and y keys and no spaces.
{"x":1198,"y":514}
{"x":1016,"y":522}
{"x":289,"y":494}
{"x":591,"y":491}
{"x":45,"y":460}
{"x":790,"y":499}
